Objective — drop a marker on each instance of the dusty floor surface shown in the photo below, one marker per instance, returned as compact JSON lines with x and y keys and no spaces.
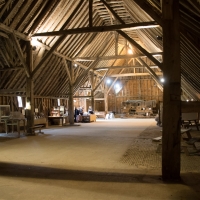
{"x":88,"y":162}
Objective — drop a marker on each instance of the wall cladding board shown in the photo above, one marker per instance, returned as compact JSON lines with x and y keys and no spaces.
{"x":144,"y":89}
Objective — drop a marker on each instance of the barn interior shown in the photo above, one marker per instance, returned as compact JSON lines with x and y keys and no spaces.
{"x":128,"y":60}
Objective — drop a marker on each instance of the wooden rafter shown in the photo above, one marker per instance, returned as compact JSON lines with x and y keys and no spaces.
{"x":26,"y":38}
{"x":90,"y":13}
{"x":85,"y":73}
{"x":130,"y":39}
{"x":77,"y":72}
{"x":120,"y":67}
{"x":149,"y":10}
{"x":5,"y":58}
{"x":68,"y":71}
{"x":10,"y":52}
{"x":57,"y":43}
{"x":114,"y":57}
{"x":135,"y":74}
{"x":4,"y":35}
{"x":94,"y":29}
{"x":145,"y":52}
{"x":20,"y":53}
{"x":39,"y":56}
{"x":153,"y":74}
{"x":101,"y":80}
{"x":5,"y":8}
{"x":113,"y":83}
{"x":195,"y":4}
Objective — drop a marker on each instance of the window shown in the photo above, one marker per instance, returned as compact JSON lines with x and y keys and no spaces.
{"x":19,"y":99}
{"x":58,"y":102}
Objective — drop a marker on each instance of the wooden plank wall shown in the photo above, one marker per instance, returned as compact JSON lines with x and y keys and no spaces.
{"x":143,"y":89}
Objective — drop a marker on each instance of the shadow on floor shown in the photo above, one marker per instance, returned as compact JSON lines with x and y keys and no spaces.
{"x":39,"y":172}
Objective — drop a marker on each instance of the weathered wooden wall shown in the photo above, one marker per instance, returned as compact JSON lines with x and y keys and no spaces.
{"x":143,"y":89}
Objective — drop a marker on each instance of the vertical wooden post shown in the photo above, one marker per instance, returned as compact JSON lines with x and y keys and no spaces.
{"x":92,"y":91}
{"x":172,"y":91}
{"x":106,"y":98}
{"x":92,"y":100}
{"x":71,"y":93}
{"x":71,"y":105}
{"x":29,"y":89}
{"x":85,"y":102}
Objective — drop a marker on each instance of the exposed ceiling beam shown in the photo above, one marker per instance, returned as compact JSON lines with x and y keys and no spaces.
{"x":57,"y":43}
{"x":101,"y":81}
{"x":20,"y":53}
{"x":115,"y":57}
{"x":144,"y":51}
{"x":5,"y":91}
{"x":90,"y":13}
{"x":141,"y":49}
{"x":7,"y":29}
{"x":135,"y":74}
{"x":26,"y":38}
{"x":153,"y":74}
{"x":139,"y":25}
{"x":126,"y":67}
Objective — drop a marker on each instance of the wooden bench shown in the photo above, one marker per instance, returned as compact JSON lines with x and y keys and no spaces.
{"x":37,"y":127}
{"x":183,"y":144}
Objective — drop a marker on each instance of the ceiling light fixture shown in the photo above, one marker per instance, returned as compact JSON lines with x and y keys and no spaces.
{"x":162,"y":80}
{"x":130,"y":51}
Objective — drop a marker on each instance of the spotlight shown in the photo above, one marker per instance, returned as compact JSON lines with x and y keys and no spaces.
{"x":130,"y":51}
{"x":162,"y":80}
{"x":108,"y":81}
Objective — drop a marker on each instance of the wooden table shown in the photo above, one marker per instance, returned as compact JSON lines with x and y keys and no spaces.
{"x":59,"y":117}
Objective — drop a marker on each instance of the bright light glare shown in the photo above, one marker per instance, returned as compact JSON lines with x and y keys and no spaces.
{"x":162,"y":80}
{"x":130,"y":51}
{"x":117,"y":86}
{"x":58,"y":102}
{"x":19,"y":99}
{"x":34,"y":41}
{"x":141,"y":27}
{"x":108,"y":81}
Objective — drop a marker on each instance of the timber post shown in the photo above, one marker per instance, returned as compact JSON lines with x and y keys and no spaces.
{"x":172,"y":91}
{"x":106,"y":98}
{"x":71,"y":93}
{"x":29,"y":89}
{"x":71,"y":105}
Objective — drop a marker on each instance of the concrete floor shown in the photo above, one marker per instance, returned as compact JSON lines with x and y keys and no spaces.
{"x":83,"y":162}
